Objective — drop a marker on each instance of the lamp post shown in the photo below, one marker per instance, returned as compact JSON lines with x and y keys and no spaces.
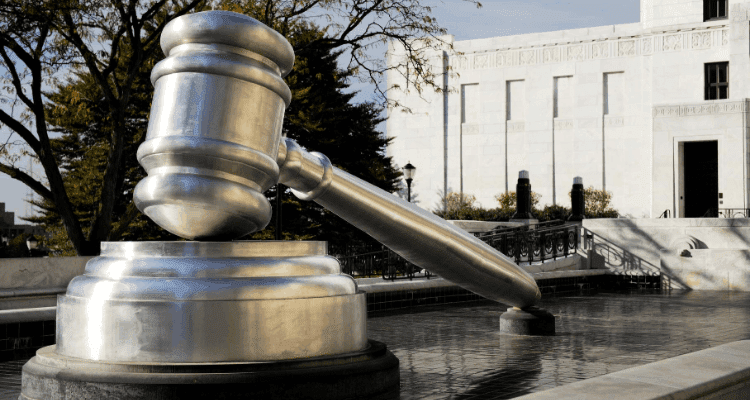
{"x":409,"y":174}
{"x":279,"y":191}
{"x":31,"y":244}
{"x":578,"y":200}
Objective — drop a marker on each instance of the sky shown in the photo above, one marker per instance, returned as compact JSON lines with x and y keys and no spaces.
{"x":465,"y":22}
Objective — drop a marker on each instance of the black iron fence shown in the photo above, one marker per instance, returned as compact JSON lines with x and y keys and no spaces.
{"x":382,"y":262}
{"x":728,"y":213}
{"x":547,"y":241}
{"x":536,"y":245}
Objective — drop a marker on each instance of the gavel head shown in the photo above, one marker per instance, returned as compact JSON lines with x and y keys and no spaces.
{"x":215,"y":126}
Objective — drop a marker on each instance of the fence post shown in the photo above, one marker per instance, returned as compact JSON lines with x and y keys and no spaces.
{"x":523,"y":197}
{"x":578,"y":200}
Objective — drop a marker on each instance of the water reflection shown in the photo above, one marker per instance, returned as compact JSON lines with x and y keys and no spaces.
{"x":457,"y":353}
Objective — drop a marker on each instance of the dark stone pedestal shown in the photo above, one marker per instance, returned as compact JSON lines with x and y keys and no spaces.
{"x":369,"y":374}
{"x":529,"y":321}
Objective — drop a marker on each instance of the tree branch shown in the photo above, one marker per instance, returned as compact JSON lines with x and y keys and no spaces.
{"x":16,"y":79}
{"x":27,"y":180}
{"x":21,"y":130}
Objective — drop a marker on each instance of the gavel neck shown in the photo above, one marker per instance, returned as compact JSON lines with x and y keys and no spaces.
{"x":308,"y":174}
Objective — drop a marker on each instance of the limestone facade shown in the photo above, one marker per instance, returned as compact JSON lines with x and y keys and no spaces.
{"x":613,"y":104}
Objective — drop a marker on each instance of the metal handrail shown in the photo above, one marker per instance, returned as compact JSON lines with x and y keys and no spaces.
{"x":728,"y":213}
{"x":538,"y":245}
{"x":523,"y":246}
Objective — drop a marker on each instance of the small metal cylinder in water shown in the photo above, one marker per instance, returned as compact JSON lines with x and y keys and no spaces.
{"x":523,"y":197}
{"x":578,"y":200}
{"x":215,"y":126}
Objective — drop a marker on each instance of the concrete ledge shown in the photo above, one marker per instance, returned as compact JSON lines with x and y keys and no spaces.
{"x":28,"y":315}
{"x":4,"y":293}
{"x":40,"y":272}
{"x":569,"y":274}
{"x":722,"y":372}
{"x":571,"y":262}
{"x":379,"y":285}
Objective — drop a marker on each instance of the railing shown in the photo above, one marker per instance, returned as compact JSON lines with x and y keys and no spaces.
{"x":666,"y":214}
{"x":548,"y":241}
{"x":728,"y":213}
{"x":537,"y":245}
{"x":383,"y":262}
{"x":522,"y":228}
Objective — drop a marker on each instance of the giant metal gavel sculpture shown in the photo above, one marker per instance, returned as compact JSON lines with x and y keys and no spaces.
{"x":214,"y":146}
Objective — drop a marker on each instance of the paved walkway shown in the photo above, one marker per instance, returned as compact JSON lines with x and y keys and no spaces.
{"x":455,"y":351}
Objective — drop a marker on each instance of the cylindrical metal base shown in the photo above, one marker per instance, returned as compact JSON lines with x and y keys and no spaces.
{"x":190,"y":302}
{"x":367,"y":374}
{"x":527,"y":321}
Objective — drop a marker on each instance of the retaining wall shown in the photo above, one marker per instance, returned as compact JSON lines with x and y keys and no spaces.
{"x":636,"y":246}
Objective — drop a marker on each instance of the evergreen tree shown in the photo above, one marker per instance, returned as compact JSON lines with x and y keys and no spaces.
{"x":42,"y":40}
{"x":323,"y":118}
{"x":77,"y":112}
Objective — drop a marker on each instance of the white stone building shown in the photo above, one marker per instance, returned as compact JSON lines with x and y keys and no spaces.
{"x":654,"y":112}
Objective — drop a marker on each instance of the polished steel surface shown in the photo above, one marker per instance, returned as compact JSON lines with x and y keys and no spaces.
{"x":417,"y":235}
{"x":214,"y":146}
{"x":211,"y":302}
{"x":222,"y":79}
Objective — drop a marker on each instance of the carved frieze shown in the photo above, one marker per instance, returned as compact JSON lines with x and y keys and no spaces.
{"x":672,"y":42}
{"x":600,"y":50}
{"x":504,"y":59}
{"x":666,"y":111}
{"x":481,"y":61}
{"x":626,"y":48}
{"x":687,"y":110}
{"x":603,"y":49}
{"x":701,"y":40}
{"x":551,"y":55}
{"x":527,"y":57}
{"x":462,"y":63}
{"x":576,"y":53}
{"x":467,"y":129}
{"x":647,"y":45}
{"x":614,"y":121}
{"x":516,"y":126}
{"x":561,"y":124}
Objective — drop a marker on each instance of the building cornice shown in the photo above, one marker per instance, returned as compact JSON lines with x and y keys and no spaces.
{"x":705,"y":108}
{"x":682,"y":38}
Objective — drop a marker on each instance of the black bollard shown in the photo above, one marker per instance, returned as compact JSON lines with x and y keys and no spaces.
{"x":523,"y":197}
{"x":578,"y":200}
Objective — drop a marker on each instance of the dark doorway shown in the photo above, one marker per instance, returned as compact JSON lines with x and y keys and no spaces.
{"x":701,"y":174}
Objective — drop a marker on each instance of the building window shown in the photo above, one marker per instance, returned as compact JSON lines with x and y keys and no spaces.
{"x":563,"y":97}
{"x":470,"y":104}
{"x":714,"y":9}
{"x":515,"y":100}
{"x":717,"y":81}
{"x":614,"y":90}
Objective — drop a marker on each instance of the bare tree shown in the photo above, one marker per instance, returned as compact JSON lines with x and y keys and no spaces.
{"x":45,"y":41}
{"x":358,"y":26}
{"x":39,"y":40}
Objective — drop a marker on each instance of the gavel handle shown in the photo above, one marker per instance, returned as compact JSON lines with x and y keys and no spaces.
{"x":417,"y":235}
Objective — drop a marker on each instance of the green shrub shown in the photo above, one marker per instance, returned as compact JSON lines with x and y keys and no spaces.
{"x":455,"y":206}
